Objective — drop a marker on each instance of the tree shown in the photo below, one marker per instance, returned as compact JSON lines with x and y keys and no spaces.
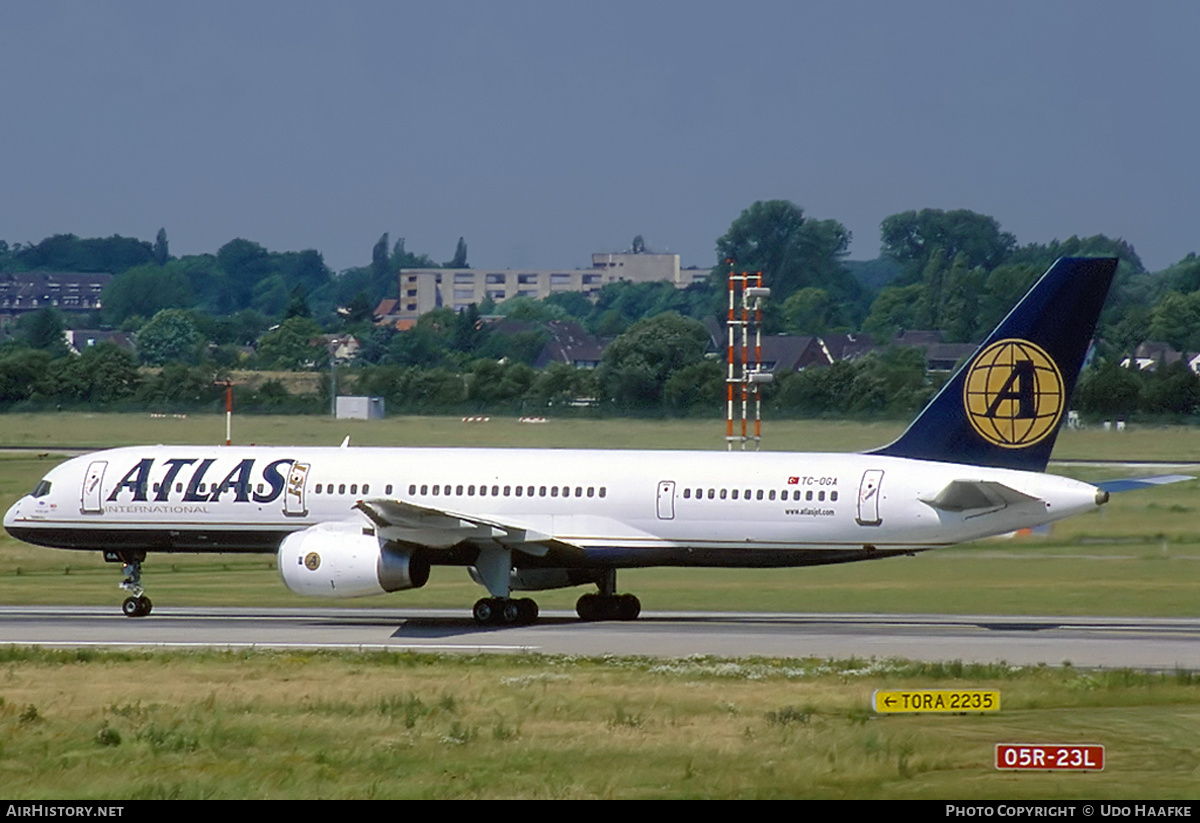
{"x":895,"y":308}
{"x":43,"y":329}
{"x":161,"y":253}
{"x":20,"y":372}
{"x":639,"y":362}
{"x":102,"y":375}
{"x":143,"y":291}
{"x":1176,"y":320}
{"x":469,"y":330}
{"x":810,"y":311}
{"x":460,"y":256}
{"x":170,"y":336}
{"x":290,"y":345}
{"x":380,"y":265}
{"x":639,"y":245}
{"x":1110,"y":391}
{"x":792,"y":252}
{"x":66,"y":252}
{"x":913,"y":237}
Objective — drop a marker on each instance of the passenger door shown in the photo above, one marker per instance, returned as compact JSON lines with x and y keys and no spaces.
{"x":666,"y":500}
{"x":92,"y":497}
{"x":868,"y":498}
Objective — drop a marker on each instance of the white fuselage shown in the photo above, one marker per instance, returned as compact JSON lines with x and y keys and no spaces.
{"x":622,"y":508}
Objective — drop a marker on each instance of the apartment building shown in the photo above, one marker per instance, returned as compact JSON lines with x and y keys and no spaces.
{"x":422,"y":290}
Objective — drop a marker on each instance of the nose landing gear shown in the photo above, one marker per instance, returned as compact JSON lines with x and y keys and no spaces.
{"x":137,"y":604}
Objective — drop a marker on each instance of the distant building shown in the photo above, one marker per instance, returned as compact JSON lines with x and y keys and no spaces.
{"x":65,"y":291}
{"x":80,"y":340}
{"x":423,"y":290}
{"x":341,"y":347}
{"x":940,"y":356}
{"x":1150,"y":355}
{"x":568,"y":342}
{"x":359,"y":408}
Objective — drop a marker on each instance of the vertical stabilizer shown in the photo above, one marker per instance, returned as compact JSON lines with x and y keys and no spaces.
{"x":1005,"y":406}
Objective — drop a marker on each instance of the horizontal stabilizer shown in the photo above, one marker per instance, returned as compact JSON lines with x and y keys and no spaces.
{"x":1128,"y":484}
{"x":969,"y":495}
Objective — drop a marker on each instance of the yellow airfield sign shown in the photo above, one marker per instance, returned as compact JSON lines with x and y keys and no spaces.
{"x":936,"y":700}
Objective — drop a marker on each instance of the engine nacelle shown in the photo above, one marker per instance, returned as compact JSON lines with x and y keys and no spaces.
{"x":339,"y":560}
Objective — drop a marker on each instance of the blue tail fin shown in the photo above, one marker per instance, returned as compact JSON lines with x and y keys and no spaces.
{"x":1005,"y":405}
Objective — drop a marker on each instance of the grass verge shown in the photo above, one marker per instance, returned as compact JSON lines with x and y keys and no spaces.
{"x":115,"y":725}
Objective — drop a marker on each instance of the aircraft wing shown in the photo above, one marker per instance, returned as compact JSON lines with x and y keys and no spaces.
{"x":1130,"y":483}
{"x":442,"y":528}
{"x":977,"y":496}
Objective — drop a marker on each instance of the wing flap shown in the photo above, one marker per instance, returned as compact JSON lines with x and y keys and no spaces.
{"x":443,"y":528}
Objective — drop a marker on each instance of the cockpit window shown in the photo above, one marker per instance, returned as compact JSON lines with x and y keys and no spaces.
{"x":42,"y":489}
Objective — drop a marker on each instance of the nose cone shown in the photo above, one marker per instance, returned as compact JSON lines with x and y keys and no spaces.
{"x":17,"y":519}
{"x":13,"y":514}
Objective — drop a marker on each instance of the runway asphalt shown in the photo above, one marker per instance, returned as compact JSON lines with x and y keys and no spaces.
{"x":1091,"y":642}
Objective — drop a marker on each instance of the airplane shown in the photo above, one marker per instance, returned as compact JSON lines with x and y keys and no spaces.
{"x":349,"y":522}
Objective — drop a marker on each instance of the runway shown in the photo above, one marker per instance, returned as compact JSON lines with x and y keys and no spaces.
{"x":1092,"y":642}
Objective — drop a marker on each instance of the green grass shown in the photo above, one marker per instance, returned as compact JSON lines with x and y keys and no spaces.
{"x":78,"y":429}
{"x":93,"y":725}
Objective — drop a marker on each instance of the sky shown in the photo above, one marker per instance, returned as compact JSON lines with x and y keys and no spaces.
{"x":544,"y":131}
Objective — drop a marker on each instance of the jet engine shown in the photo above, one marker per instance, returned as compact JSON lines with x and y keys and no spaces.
{"x":345,"y":560}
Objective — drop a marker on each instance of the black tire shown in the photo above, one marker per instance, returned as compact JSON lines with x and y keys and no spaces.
{"x":628,"y":607}
{"x":131,"y":607}
{"x":484,"y":611}
{"x":588,"y":607}
{"x":146,"y":605}
{"x":511,"y":612}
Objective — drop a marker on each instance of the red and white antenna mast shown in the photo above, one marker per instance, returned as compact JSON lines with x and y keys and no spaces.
{"x":745,"y":374}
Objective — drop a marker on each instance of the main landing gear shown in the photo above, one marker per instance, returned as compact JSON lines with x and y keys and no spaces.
{"x":494,"y":569}
{"x":137,"y":604}
{"x":504,"y":611}
{"x":608,"y":605}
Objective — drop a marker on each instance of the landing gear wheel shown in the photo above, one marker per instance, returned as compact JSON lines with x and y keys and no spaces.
{"x":628,"y":607}
{"x":511,"y":612}
{"x":531,"y":610}
{"x":587,"y":607}
{"x":136,"y":606}
{"x":491,"y":611}
{"x":484,"y":611}
{"x":608,"y":607}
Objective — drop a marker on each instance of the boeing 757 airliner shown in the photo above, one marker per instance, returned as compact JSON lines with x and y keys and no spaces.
{"x":348,"y":522}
